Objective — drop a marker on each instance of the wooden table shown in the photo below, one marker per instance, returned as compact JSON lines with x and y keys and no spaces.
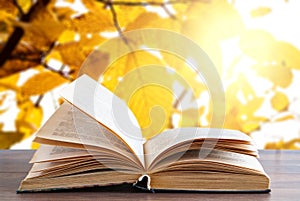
{"x":282,"y":166}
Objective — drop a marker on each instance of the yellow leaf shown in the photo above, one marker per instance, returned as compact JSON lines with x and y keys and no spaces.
{"x":242,"y":85}
{"x":287,"y":55}
{"x":100,"y":17}
{"x":189,"y":76}
{"x":284,"y":118}
{"x":143,"y":21}
{"x":260,"y":11}
{"x":262,"y":47}
{"x":53,"y":55}
{"x":153,"y":20}
{"x":7,"y":138}
{"x":15,"y":66}
{"x":145,"y":89}
{"x":279,"y":75}
{"x":124,"y":14}
{"x":10,"y":82}
{"x":152,"y":106}
{"x":274,"y":145}
{"x":81,"y":49}
{"x":127,"y":15}
{"x":18,"y":63}
{"x":66,"y":36}
{"x":241,"y":116}
{"x":29,"y":118}
{"x":42,"y":83}
{"x":6,"y":17}
{"x":252,"y":123}
{"x":251,"y":106}
{"x":65,"y":15}
{"x":231,"y":122}
{"x":292,"y":144}
{"x":88,"y":43}
{"x":95,"y":65}
{"x":255,"y":43}
{"x":61,"y":101}
{"x":137,"y":86}
{"x":279,"y":101}
{"x":125,"y":64}
{"x":8,"y":6}
{"x":35,"y":145}
{"x":43,"y":29}
{"x":249,"y":126}
{"x":93,"y":22}
{"x":3,"y":109}
{"x":25,"y":5}
{"x":240,"y":110}
{"x":67,"y":52}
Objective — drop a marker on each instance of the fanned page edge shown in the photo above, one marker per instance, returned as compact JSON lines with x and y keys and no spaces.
{"x":167,"y":139}
{"x":97,"y":101}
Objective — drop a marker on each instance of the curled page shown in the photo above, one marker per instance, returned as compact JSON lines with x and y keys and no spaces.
{"x":108,"y":109}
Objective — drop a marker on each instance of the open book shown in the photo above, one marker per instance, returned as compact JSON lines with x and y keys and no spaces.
{"x":93,"y":139}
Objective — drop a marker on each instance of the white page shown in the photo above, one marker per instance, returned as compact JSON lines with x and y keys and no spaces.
{"x":108,"y":109}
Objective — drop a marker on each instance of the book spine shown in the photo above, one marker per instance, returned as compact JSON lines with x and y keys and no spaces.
{"x":143,"y":183}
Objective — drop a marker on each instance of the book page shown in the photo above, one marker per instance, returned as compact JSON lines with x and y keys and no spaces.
{"x":69,"y":125}
{"x":193,"y":158}
{"x":52,"y":153}
{"x":109,"y":110}
{"x":170,"y":138}
{"x":235,"y":159}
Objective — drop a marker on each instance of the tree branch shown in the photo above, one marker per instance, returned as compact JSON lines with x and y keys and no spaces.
{"x":18,"y":32}
{"x":179,"y":99}
{"x":168,"y":12}
{"x":149,"y":3}
{"x":116,"y":22}
{"x":24,"y":58}
{"x":21,"y":12}
{"x":60,"y":71}
{"x":111,"y":4}
{"x":38,"y":101}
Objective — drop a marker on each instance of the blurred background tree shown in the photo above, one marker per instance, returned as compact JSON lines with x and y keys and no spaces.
{"x":43,"y":44}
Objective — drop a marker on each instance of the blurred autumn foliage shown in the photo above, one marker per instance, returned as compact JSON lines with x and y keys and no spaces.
{"x":43,"y":44}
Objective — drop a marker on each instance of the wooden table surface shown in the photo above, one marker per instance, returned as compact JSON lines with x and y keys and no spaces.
{"x":282,"y":166}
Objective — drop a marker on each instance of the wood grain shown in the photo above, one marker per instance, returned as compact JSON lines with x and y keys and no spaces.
{"x":282,"y":166}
